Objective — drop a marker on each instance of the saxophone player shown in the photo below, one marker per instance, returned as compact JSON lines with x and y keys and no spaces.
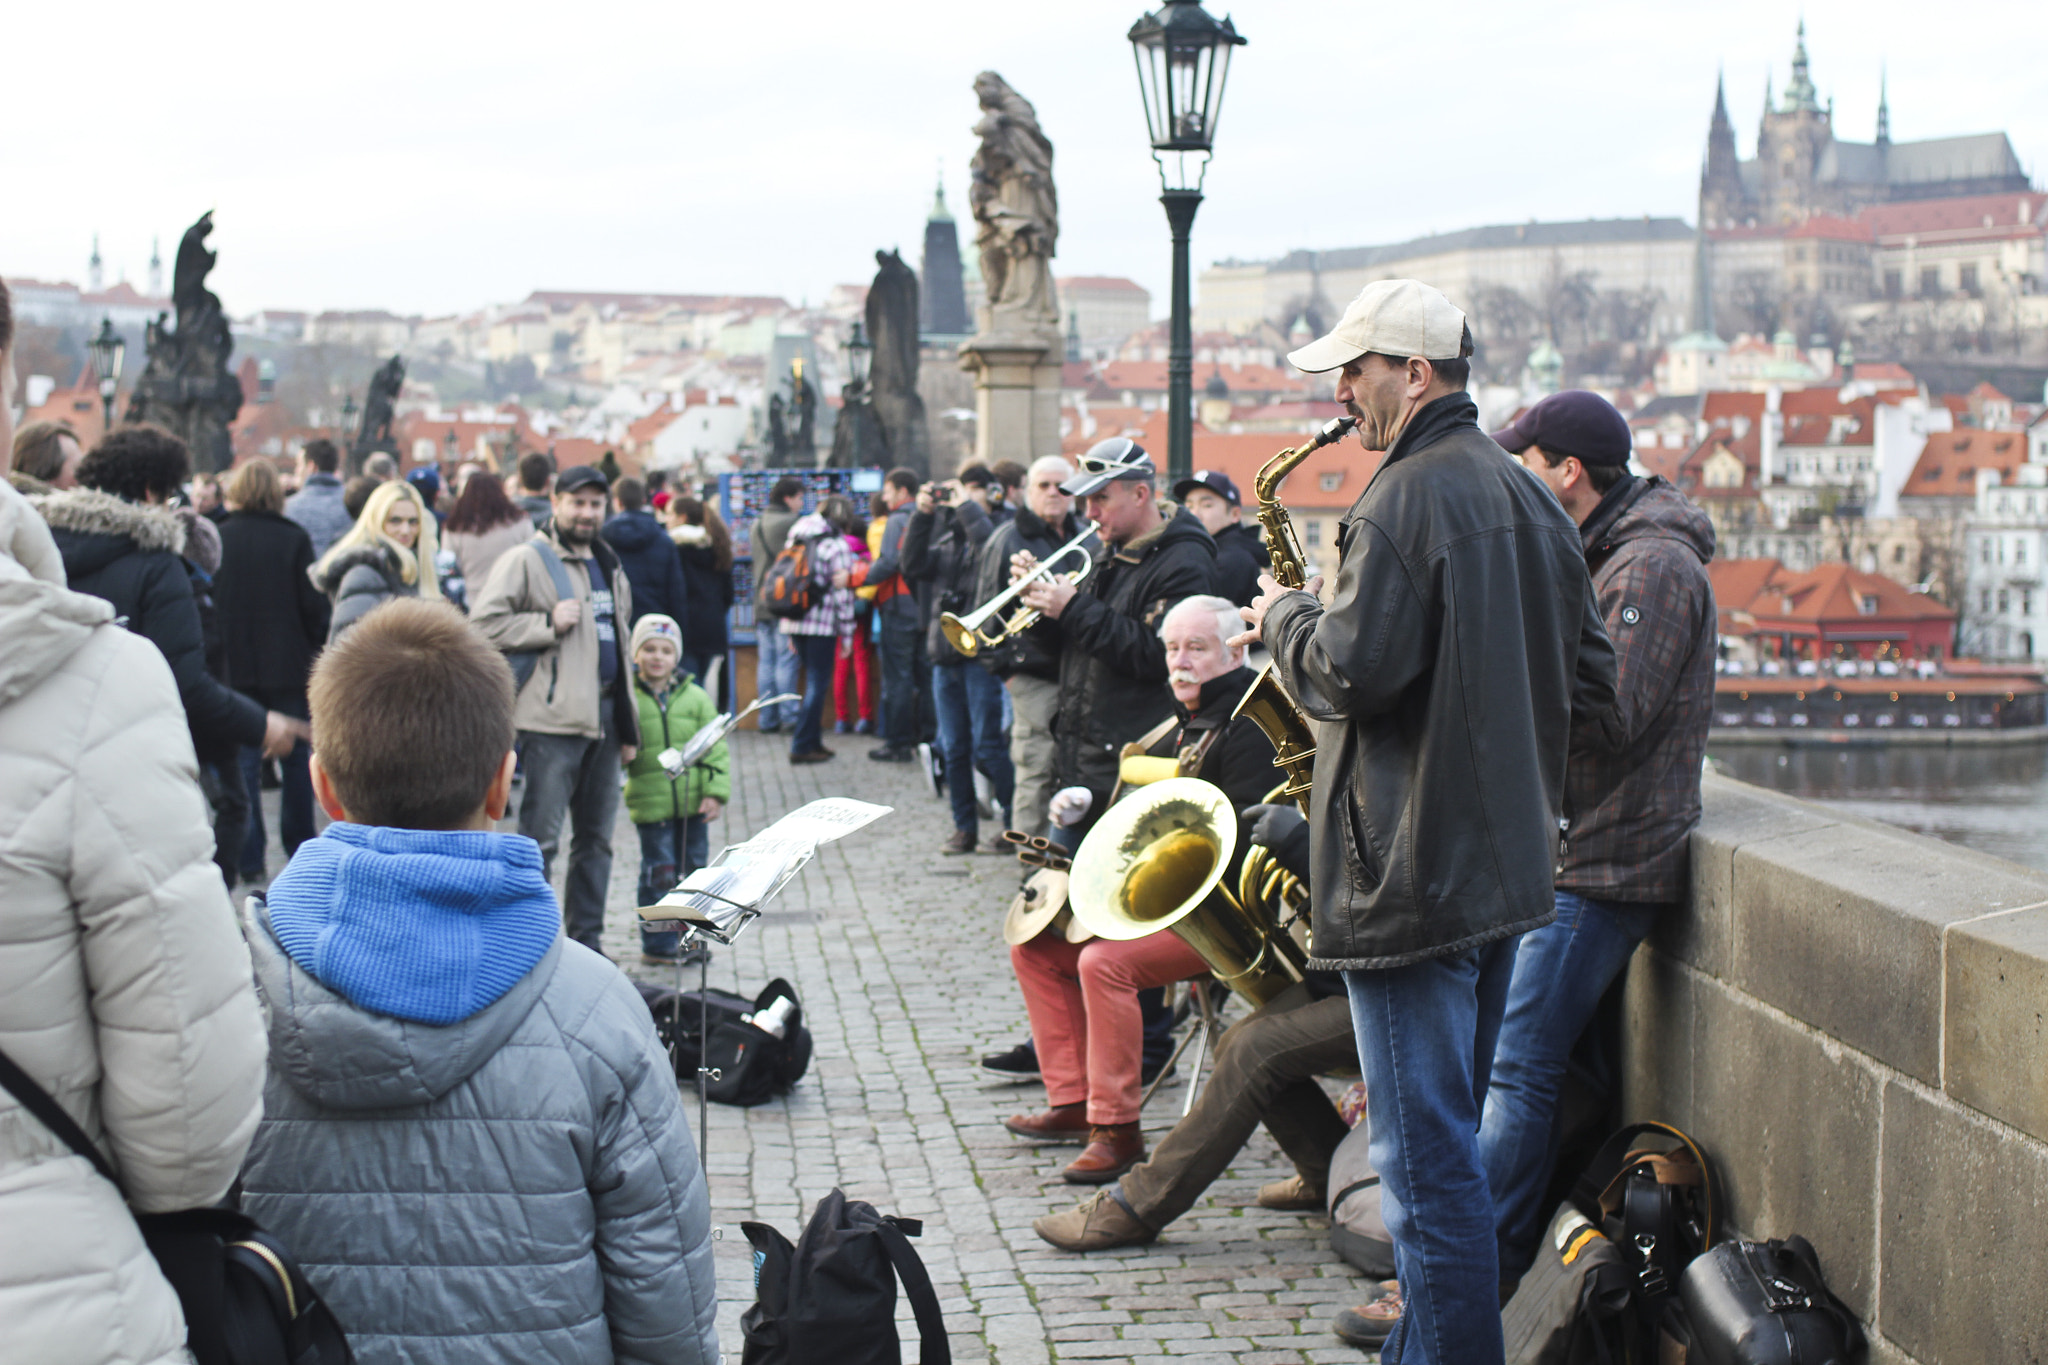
{"x":1461,"y":638}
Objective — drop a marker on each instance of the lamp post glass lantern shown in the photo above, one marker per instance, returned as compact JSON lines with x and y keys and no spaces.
{"x":348,"y":419}
{"x":1183,"y":58}
{"x":860,"y":355}
{"x":108,"y":350}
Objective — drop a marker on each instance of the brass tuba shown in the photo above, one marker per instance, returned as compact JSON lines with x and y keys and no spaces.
{"x":1155,"y":860}
{"x":1266,"y":700}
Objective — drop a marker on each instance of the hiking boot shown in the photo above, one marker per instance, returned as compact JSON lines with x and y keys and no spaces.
{"x":1369,"y":1325}
{"x":814,"y":756}
{"x":1096,"y":1224}
{"x":1061,"y":1123}
{"x":890,"y":754}
{"x":1292,"y":1195}
{"x":1112,"y":1149}
{"x":1018,"y":1065}
{"x":959,"y":841}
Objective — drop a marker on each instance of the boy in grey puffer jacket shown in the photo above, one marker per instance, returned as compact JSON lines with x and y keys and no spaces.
{"x":471,"y":1137}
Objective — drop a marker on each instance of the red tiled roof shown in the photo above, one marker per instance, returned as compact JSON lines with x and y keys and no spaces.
{"x":1829,"y":228}
{"x":1961,"y":217}
{"x":1988,"y":392}
{"x":1149,"y":376}
{"x":1826,"y":594}
{"x":1889,"y":369}
{"x":1948,"y":463}
{"x":1240,"y":456}
{"x":1103,"y":282}
{"x":1721,"y":405}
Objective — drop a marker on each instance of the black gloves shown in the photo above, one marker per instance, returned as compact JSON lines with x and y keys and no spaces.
{"x":1284,"y":830}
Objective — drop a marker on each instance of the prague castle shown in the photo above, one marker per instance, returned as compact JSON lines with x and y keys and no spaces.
{"x":1802,"y":170}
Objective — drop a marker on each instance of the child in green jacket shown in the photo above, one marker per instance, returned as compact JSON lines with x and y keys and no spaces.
{"x":672,"y":814}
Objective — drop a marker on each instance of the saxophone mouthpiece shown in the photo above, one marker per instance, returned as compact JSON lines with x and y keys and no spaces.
{"x":1336,"y":430}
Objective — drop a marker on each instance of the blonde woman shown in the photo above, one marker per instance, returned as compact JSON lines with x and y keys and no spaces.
{"x":388,"y":553}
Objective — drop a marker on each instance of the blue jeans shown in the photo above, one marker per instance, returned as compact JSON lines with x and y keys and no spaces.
{"x":294,"y":806}
{"x":898,"y":641}
{"x":1561,"y":971}
{"x":776,"y":672}
{"x":970,"y":706}
{"x":670,"y":850}
{"x":1425,"y":1041}
{"x":816,"y":654}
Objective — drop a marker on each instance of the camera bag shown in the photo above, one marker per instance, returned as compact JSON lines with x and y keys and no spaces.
{"x":1765,"y":1303}
{"x":753,"y":1066}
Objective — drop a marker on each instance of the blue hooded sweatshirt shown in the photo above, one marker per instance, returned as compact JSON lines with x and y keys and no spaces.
{"x":425,"y":925}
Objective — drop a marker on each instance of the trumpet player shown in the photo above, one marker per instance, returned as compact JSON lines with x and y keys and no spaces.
{"x":1460,"y":641}
{"x":1112,"y":665}
{"x":1083,"y":998}
{"x":1029,"y":663}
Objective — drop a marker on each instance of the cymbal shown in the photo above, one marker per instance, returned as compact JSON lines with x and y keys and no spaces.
{"x":1037,"y":905}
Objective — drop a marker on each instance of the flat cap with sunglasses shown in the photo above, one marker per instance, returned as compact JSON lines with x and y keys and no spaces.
{"x":1108,"y":461}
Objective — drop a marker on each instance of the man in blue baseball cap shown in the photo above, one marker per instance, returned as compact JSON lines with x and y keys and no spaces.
{"x":1240,"y":555}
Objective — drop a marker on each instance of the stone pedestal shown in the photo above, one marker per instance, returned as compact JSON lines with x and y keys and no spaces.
{"x":1016,"y":395}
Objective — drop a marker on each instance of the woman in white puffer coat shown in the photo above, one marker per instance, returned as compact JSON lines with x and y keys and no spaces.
{"x":125,"y":988}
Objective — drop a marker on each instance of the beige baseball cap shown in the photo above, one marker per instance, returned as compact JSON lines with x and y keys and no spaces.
{"x":1390,"y":317}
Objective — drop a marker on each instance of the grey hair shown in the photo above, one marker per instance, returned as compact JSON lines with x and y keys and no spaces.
{"x":1228,"y":622}
{"x":1059,"y":460}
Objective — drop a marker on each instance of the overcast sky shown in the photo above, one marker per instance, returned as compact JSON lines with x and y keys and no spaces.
{"x":430,"y":157}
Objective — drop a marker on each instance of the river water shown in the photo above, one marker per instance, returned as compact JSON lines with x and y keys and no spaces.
{"x":1993,"y":798}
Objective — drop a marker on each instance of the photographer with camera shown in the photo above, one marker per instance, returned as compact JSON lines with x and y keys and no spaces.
{"x":941,"y":550}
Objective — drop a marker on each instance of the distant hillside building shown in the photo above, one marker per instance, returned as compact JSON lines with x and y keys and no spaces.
{"x":1801,"y":169}
{"x":942,"y":290}
{"x":1103,"y":311}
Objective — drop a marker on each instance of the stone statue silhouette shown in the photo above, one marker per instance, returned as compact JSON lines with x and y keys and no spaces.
{"x":892,"y":313}
{"x":380,"y":406}
{"x":798,"y":447}
{"x":1016,"y":212}
{"x":186,"y":385}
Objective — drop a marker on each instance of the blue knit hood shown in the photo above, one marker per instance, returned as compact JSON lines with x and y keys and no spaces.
{"x":425,"y":925}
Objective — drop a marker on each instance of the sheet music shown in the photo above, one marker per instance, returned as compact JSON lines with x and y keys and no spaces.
{"x":723,"y":896}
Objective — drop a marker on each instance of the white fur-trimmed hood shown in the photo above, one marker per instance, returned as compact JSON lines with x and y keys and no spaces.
{"x":87,"y":511}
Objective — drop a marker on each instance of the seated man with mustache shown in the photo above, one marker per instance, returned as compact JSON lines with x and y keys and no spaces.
{"x":1082,"y":998}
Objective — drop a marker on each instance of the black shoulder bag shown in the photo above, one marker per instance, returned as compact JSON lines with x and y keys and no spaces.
{"x":246,"y":1301}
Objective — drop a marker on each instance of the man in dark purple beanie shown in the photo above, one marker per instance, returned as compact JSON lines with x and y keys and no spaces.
{"x":1632,"y":784}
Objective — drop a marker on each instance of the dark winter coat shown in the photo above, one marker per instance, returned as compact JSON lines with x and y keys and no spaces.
{"x":357,"y":581}
{"x":1240,"y":558}
{"x":942,"y":555}
{"x":1036,"y":653}
{"x":271,"y":616}
{"x":1112,"y":664}
{"x":652,"y":566}
{"x":1632,"y":787}
{"x":708,"y":589}
{"x":129,"y":554}
{"x":1240,"y":760}
{"x":1461,"y":641}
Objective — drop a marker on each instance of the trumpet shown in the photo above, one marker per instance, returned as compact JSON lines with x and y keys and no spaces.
{"x":972,"y":633}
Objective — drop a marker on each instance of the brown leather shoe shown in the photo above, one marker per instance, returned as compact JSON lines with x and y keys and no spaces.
{"x":1061,"y":1123}
{"x":958,"y":842}
{"x":1112,"y":1149}
{"x":1292,"y":1195}
{"x":1094,"y":1225}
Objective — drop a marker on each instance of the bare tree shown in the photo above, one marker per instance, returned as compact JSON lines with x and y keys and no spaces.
{"x":1756,"y":302}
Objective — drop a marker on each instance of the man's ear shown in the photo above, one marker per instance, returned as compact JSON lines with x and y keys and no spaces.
{"x":323,"y":789}
{"x":1421,"y":374}
{"x":498,"y":799}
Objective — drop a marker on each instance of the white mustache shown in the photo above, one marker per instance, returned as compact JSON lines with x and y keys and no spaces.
{"x":1182,"y":675}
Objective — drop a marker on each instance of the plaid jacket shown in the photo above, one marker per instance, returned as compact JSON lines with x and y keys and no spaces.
{"x":1632,"y":783}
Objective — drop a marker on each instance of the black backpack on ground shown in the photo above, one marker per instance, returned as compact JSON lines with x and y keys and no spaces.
{"x":1604,"y":1284}
{"x":246,"y":1301}
{"x":1765,"y":1303}
{"x":754,"y":1065}
{"x":831,"y":1298}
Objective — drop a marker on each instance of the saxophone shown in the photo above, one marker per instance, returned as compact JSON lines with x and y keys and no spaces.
{"x":1266,"y":700}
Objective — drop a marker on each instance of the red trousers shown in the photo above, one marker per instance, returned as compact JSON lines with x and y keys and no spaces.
{"x":853,"y":676}
{"x":1085,"y":1021}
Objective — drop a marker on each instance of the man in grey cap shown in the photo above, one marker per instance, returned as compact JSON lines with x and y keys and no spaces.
{"x":1112,"y":664}
{"x":1632,"y":786}
{"x":576,"y":715}
{"x":1461,"y":639}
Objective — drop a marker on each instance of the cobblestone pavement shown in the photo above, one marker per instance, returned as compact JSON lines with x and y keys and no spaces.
{"x":905,"y":982}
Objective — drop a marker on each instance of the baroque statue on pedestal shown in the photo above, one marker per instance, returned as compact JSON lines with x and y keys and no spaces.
{"x":1016,"y":212}
{"x":186,"y":386}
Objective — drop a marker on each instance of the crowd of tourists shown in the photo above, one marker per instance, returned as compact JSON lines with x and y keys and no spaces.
{"x":408,"y":1058}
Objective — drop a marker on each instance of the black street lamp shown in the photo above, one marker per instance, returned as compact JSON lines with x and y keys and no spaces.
{"x":452,"y":444}
{"x":860,"y":355}
{"x":348,"y":420}
{"x":108,"y":348}
{"x":1183,"y":58}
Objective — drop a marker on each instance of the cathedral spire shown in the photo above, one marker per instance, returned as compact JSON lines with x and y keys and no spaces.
{"x":1800,"y":96}
{"x":156,"y":268}
{"x":1884,"y":110}
{"x":940,"y":214}
{"x":95,"y":270}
